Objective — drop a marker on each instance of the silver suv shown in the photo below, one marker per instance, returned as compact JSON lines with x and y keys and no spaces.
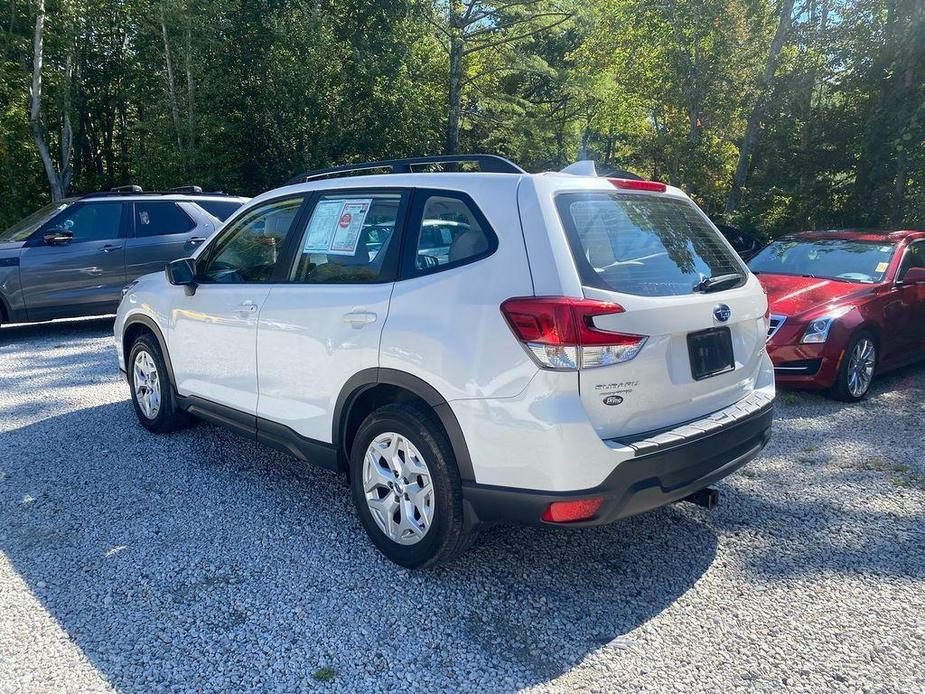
{"x":73,"y":257}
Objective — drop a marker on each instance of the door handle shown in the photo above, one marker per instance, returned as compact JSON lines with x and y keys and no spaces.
{"x":246,"y":307}
{"x":360,"y":318}
{"x":196,"y":240}
{"x":109,"y":248}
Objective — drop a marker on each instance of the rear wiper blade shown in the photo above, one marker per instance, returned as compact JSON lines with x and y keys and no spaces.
{"x":712,"y":284}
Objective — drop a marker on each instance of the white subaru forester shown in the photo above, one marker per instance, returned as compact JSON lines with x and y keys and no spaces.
{"x":468,"y":346}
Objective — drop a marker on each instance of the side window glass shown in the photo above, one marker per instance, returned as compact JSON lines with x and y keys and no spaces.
{"x":915,"y":257}
{"x":450,"y":234}
{"x":248,"y":251}
{"x":94,"y":221}
{"x":160,"y":218}
{"x":348,"y":238}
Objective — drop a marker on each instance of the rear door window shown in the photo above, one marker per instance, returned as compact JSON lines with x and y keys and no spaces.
{"x":160,"y":219}
{"x":350,"y":238}
{"x":642,"y":244}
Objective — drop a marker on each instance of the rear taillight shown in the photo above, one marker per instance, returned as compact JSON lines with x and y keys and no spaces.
{"x":632,"y":184}
{"x":570,"y":511}
{"x":559,"y":332}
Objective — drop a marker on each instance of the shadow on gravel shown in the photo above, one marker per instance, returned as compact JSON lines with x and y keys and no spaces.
{"x":204,"y":561}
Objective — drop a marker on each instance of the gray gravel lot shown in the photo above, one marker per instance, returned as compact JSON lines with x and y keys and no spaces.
{"x":201,"y":561}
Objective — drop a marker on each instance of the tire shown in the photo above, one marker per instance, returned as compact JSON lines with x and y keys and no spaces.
{"x":146,"y":356}
{"x":850,"y":385}
{"x":444,"y":534}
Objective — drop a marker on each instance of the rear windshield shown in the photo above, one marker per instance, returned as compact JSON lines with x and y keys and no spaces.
{"x":222,"y":209}
{"x":834,"y":259}
{"x":642,"y":244}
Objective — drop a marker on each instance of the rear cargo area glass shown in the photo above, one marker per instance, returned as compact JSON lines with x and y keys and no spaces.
{"x":648,"y":245}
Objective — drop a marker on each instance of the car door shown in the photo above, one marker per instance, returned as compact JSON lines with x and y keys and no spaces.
{"x":323,"y":325}
{"x":212,"y":331}
{"x":913,"y":299}
{"x":74,"y":265}
{"x":161,"y":231}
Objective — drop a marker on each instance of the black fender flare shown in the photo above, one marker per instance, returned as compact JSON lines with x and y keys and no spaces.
{"x":369,"y":378}
{"x":150,"y":324}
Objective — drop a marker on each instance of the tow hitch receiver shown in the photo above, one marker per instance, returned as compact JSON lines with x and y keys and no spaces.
{"x":708,"y":498}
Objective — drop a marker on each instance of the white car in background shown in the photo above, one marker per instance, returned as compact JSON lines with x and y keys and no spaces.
{"x":586,"y":349}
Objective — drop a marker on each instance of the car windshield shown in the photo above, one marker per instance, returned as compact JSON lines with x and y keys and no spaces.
{"x":835,"y":259}
{"x":646,"y":245}
{"x":25,"y":227}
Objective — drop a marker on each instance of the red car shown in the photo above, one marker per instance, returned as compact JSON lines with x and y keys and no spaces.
{"x":844,"y":305}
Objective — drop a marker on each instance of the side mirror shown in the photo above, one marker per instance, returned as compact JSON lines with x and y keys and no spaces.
{"x":914,"y":275}
{"x":57,"y":237}
{"x":182,"y":273}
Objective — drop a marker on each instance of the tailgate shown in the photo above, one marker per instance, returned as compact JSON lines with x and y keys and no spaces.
{"x":658,"y":389}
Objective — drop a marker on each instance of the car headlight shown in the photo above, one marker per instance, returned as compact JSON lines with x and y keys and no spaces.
{"x":818,"y":329}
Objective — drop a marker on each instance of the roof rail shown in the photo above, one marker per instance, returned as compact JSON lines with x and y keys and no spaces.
{"x":489,"y":163}
{"x":137,"y":190}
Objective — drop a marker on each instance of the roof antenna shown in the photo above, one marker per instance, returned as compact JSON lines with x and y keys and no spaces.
{"x":581,"y":168}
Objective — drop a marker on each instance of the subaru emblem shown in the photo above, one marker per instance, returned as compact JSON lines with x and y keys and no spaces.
{"x":722,"y":313}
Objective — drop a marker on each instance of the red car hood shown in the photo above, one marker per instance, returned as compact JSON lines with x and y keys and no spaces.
{"x":789,"y":295}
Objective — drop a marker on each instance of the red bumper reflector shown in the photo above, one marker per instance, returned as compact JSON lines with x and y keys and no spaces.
{"x":566,"y":511}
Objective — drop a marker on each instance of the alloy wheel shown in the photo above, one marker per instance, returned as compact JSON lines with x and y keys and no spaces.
{"x":398,"y":488}
{"x":147,"y":384}
{"x":861,"y":367}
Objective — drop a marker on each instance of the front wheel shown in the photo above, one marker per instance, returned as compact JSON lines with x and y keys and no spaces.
{"x":152,"y":394}
{"x":856,"y":372}
{"x":406,"y":486}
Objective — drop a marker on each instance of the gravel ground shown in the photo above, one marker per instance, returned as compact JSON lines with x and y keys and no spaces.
{"x":201,"y":561}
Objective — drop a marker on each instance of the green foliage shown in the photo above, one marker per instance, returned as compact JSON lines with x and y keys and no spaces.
{"x":261,"y":89}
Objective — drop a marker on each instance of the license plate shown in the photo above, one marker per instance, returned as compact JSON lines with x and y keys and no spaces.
{"x":710,"y":352}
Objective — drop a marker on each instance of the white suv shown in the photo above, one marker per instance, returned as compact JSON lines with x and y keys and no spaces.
{"x":586,"y":348}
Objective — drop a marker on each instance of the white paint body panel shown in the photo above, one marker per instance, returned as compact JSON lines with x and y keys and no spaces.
{"x":307,"y":351}
{"x":212,"y":338}
{"x":447,"y":328}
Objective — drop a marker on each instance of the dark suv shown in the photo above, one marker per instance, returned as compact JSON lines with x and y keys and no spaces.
{"x":73,"y":257}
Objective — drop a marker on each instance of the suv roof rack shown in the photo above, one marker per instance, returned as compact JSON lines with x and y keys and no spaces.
{"x":488,"y":163}
{"x":137,"y":190}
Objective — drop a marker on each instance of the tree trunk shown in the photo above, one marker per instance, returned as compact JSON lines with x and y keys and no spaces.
{"x":171,"y":83}
{"x":454,"y":115}
{"x":750,"y":138}
{"x":190,"y":89}
{"x":58,"y":181}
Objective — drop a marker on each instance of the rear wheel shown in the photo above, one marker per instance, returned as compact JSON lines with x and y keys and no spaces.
{"x":406,"y":486}
{"x":856,"y":372}
{"x":152,"y":394}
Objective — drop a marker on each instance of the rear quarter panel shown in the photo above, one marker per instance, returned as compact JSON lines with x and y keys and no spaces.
{"x":447,"y":329}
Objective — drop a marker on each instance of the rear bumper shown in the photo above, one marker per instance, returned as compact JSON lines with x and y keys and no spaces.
{"x":667,"y":474}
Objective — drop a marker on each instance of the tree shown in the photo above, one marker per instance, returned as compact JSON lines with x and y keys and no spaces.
{"x":468,"y":28}
{"x":58,"y":173}
{"x":765,"y":82}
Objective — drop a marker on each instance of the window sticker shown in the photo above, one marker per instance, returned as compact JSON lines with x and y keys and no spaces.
{"x":346,"y":236}
{"x":335,"y":227}
{"x":882,"y":267}
{"x":321,"y":227}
